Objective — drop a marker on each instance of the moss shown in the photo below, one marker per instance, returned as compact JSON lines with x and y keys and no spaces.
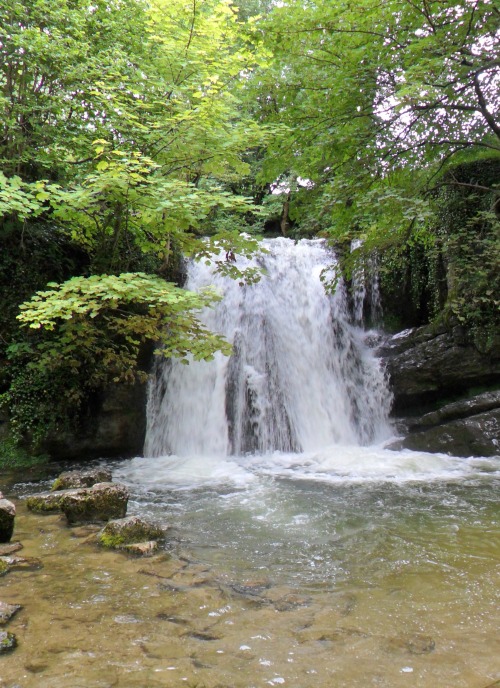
{"x":13,"y":455}
{"x":44,"y":503}
{"x":111,"y":541}
{"x":129,"y":531}
{"x":8,"y":641}
{"x":4,"y":567}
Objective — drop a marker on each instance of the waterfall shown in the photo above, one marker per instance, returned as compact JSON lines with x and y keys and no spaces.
{"x":301,"y":376}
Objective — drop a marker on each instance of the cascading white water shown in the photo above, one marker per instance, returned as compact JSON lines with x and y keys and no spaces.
{"x":301,"y":376}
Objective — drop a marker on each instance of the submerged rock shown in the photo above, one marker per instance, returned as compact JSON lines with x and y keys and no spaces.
{"x":76,"y":479}
{"x":7,"y":611}
{"x":101,"y":502}
{"x":10,"y":548}
{"x":142,"y":549}
{"x":22,"y":563}
{"x":132,"y":534}
{"x":415,"y":645}
{"x":8,"y":642}
{"x":7,"y":516}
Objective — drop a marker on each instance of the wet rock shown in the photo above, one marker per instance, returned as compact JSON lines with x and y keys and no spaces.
{"x":14,"y":563}
{"x":478,"y":435}
{"x":428,"y":363}
{"x":7,"y":611}
{"x":142,"y":549}
{"x":8,"y":642}
{"x":45,"y":502}
{"x":125,"y":532}
{"x":10,"y":548}
{"x":101,"y":502}
{"x":76,"y":479}
{"x":7,"y":516}
{"x":464,"y":408}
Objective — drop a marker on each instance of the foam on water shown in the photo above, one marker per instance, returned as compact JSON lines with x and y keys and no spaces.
{"x":332,"y":465}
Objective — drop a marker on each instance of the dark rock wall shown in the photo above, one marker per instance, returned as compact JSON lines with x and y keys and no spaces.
{"x":116,"y":427}
{"x":446,"y":392}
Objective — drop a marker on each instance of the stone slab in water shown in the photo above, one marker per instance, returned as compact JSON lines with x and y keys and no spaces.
{"x":7,"y":611}
{"x":10,"y":548}
{"x":14,"y":563}
{"x":101,"y":502}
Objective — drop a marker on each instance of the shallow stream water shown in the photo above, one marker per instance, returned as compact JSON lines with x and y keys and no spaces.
{"x":273,"y":574}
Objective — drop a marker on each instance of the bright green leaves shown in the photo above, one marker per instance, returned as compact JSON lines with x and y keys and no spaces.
{"x":131,"y":308}
{"x":88,"y":333}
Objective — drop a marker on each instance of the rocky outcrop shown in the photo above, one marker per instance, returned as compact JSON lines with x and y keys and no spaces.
{"x":114,"y":427}
{"x":7,"y":517}
{"x":101,"y":502}
{"x":427,"y":368}
{"x":470,"y":427}
{"x":429,"y":364}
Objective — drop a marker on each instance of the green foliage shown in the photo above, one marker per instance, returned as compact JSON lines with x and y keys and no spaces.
{"x":468,"y":227}
{"x":378,"y":98}
{"x":14,"y":456}
{"x":89,"y":333}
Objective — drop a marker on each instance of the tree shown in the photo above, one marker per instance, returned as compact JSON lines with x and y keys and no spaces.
{"x":123,"y":128}
{"x":379,"y":98}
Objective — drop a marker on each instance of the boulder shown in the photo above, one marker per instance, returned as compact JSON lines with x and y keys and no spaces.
{"x":7,"y":611}
{"x":101,"y":502}
{"x":75,"y":479}
{"x":7,"y":516}
{"x":132,"y":534}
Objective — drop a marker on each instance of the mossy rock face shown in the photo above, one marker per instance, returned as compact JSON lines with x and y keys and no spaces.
{"x":8,"y":642}
{"x":76,"y":479}
{"x":7,"y":516}
{"x":101,"y":502}
{"x":132,"y":530}
{"x":45,"y":502}
{"x":4,"y":567}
